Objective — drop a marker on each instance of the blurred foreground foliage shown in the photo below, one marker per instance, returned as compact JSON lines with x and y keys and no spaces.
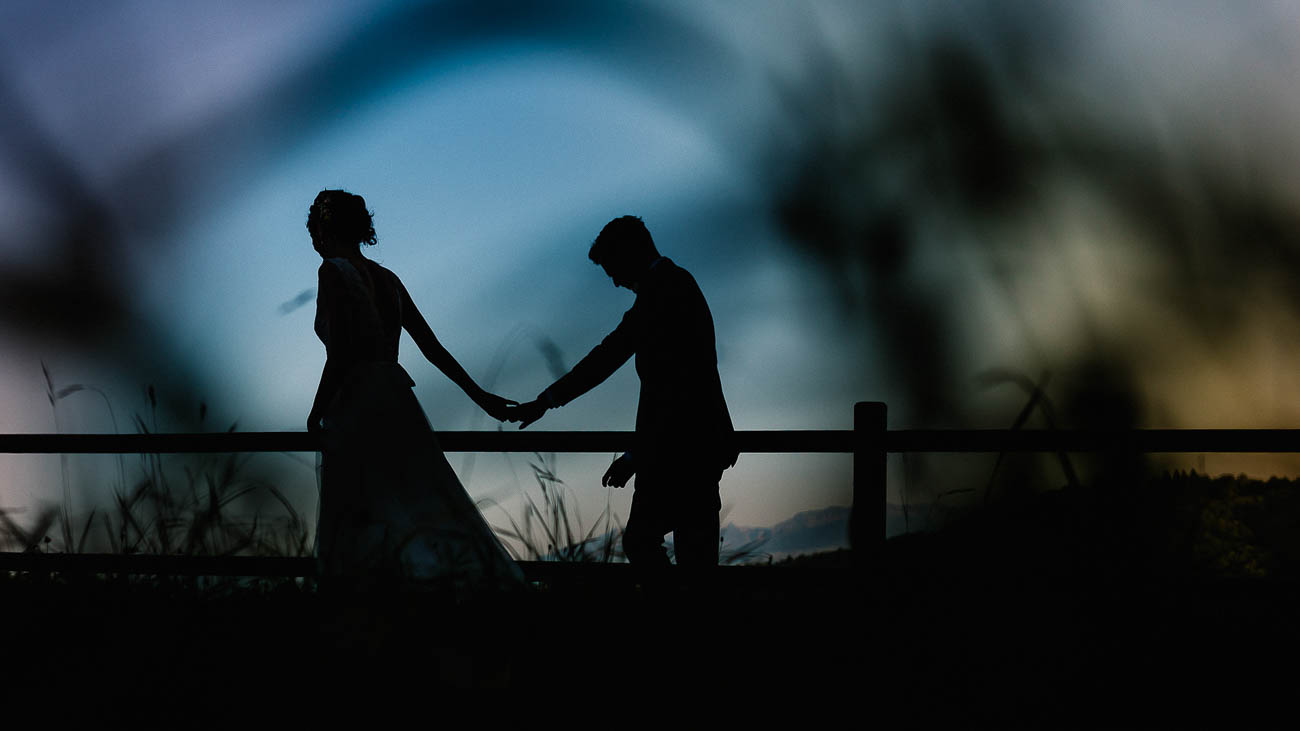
{"x":184,"y":504}
{"x":1179,"y":525}
{"x":1234,"y":526}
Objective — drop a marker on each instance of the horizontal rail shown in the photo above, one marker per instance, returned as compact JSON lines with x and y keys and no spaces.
{"x":805,"y":441}
{"x":813,"y":441}
{"x":156,"y":564}
{"x":164,"y":565}
{"x":868,"y":442}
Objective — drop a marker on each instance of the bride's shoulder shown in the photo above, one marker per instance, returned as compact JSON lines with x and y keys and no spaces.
{"x":385,"y":272}
{"x":332,"y":264}
{"x":377,"y":267}
{"x":328,"y":269}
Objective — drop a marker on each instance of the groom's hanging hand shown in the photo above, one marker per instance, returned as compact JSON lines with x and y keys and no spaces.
{"x":527,"y":413}
{"x":619,"y":472}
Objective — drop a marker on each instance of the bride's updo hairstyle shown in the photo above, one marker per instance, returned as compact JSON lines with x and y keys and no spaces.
{"x":341,"y":217}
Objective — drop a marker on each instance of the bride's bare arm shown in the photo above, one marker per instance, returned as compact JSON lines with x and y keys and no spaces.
{"x":443,"y":360}
{"x":337,"y":348}
{"x":324,"y":392}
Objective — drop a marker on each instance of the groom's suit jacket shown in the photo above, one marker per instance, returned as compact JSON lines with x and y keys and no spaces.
{"x":682,"y":419}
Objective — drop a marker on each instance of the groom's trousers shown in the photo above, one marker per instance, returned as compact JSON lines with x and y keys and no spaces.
{"x":682,"y":501}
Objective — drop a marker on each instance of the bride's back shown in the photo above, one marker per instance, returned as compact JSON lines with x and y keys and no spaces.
{"x":386,"y":292}
{"x":364,"y":309}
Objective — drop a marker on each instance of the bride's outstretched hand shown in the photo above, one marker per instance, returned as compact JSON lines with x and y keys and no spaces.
{"x":527,"y":413}
{"x":496,"y":407}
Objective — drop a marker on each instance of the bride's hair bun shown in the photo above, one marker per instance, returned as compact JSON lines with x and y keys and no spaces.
{"x":342,"y":216}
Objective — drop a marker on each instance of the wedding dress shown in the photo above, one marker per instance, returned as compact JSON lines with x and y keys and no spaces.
{"x":391,"y":507}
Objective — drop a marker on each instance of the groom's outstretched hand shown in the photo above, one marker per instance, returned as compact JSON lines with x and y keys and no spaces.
{"x":527,"y":413}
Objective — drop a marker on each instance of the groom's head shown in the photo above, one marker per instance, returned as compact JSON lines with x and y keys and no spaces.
{"x":625,"y":250}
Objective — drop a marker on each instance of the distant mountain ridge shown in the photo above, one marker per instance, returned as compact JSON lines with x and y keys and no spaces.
{"x":810,"y":531}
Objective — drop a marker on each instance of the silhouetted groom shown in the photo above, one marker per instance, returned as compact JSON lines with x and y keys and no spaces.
{"x":684,"y":437}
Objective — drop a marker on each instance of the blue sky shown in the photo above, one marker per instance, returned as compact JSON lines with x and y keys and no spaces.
{"x":487,"y":190}
{"x":490,"y":168}
{"x":494,"y":140}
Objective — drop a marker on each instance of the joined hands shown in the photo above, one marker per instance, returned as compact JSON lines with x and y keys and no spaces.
{"x":496,"y":407}
{"x":504,"y":409}
{"x":527,"y":413}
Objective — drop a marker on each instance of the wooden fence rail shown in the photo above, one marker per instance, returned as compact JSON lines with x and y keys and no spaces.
{"x":114,"y":564}
{"x":514,"y":440}
{"x":870,"y":442}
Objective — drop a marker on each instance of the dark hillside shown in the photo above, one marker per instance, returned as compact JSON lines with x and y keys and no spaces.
{"x":1043,"y":611}
{"x":1054,"y":610}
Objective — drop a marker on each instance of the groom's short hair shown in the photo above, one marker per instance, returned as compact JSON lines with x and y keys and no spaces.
{"x":625,"y":237}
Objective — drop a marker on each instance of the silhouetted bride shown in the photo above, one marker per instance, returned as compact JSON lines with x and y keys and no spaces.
{"x":391,"y":508}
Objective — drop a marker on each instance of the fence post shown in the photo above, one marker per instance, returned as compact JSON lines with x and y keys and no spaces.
{"x":869,"y":467}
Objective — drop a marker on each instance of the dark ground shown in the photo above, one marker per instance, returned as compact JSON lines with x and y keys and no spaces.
{"x":1036,"y":615}
{"x":146,"y":643}
{"x":1171,"y":605}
